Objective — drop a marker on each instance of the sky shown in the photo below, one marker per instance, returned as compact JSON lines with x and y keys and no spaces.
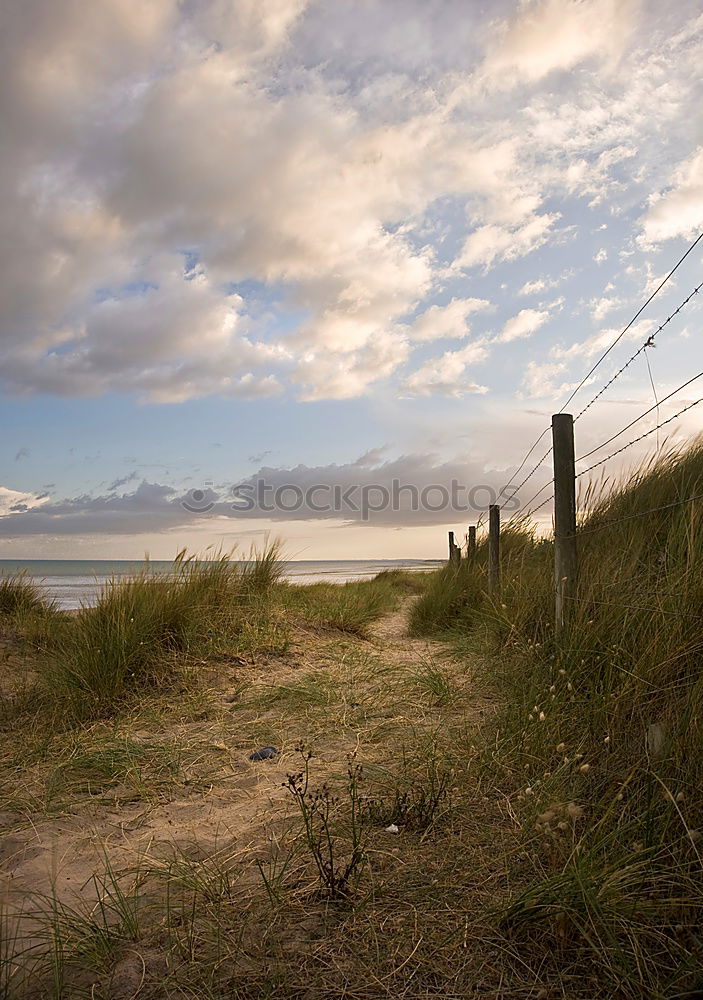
{"x":271,"y":245}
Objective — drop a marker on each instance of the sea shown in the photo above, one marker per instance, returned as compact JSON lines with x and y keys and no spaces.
{"x":75,"y":583}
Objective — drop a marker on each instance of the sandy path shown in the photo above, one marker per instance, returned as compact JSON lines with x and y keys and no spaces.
{"x":245,"y":806}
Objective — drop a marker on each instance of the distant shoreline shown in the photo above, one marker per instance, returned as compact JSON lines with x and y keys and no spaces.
{"x":71,"y":583}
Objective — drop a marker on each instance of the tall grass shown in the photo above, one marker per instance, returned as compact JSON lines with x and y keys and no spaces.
{"x":143,"y":631}
{"x":350,"y":607}
{"x":600,"y":749}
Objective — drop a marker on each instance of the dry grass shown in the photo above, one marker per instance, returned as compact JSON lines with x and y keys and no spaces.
{"x":515,"y":872}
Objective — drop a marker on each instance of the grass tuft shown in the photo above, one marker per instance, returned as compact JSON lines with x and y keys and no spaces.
{"x":144,"y":633}
{"x":599,"y":751}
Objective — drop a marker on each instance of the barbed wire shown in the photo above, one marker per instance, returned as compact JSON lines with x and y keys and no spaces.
{"x":529,"y":476}
{"x":640,"y":513}
{"x":541,"y":505}
{"x":597,"y":364}
{"x":639,"y":312}
{"x":640,"y":438}
{"x":632,"y":607}
{"x":640,"y":417}
{"x":532,"y":498}
{"x":522,"y":465}
{"x":649,"y":342}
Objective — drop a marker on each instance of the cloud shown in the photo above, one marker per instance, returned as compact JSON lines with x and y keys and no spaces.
{"x":600,"y":307}
{"x":550,"y":35}
{"x":539,"y":380}
{"x":448,"y":373}
{"x":602,"y":340}
{"x":524,"y":324}
{"x":678,"y":210}
{"x":215,"y":198}
{"x":359,"y":491}
{"x":449,"y":321}
{"x":12,"y":501}
{"x":491,"y":243}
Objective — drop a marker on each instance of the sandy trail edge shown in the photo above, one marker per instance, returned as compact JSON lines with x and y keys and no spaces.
{"x":241,"y":812}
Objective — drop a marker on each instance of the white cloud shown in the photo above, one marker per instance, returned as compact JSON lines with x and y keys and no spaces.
{"x":448,"y":374}
{"x":449,"y":321}
{"x":16,"y":501}
{"x":602,"y":340}
{"x":600,"y":307}
{"x":245,"y":136}
{"x":539,"y":380}
{"x":524,"y":324}
{"x":549,"y":35}
{"x":677,"y":211}
{"x":533,"y":287}
{"x":491,"y":243}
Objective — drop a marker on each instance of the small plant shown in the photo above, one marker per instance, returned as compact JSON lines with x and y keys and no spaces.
{"x":320,"y":811}
{"x":432,"y":680}
{"x":416,"y":801}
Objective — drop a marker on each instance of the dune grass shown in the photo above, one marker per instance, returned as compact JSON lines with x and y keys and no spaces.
{"x":146,"y":632}
{"x":552,"y":851}
{"x":350,"y":607}
{"x":600,"y":742}
{"x":26,"y":613}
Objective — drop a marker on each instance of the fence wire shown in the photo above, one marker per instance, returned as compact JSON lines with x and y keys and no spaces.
{"x":649,"y":342}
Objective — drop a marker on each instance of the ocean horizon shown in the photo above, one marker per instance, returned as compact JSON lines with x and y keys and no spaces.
{"x":75,"y":583}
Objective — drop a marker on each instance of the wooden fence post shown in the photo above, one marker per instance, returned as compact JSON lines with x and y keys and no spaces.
{"x":493,"y":549}
{"x":565,"y":563}
{"x":471,"y":542}
{"x":454,"y":550}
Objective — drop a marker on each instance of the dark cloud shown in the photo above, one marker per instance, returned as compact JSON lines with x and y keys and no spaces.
{"x":411,"y":490}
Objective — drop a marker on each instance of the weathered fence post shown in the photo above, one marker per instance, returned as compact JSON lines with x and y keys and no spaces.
{"x":454,"y":550}
{"x":493,"y":549}
{"x":565,"y":565}
{"x":471,"y":542}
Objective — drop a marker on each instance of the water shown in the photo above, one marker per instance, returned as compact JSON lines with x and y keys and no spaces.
{"x":75,"y":582}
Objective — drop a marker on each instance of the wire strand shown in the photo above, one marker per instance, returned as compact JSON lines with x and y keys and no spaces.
{"x":637,"y":419}
{"x":632,"y":607}
{"x":640,"y":438}
{"x":640,"y":513}
{"x":648,"y":343}
{"x":639,"y":312}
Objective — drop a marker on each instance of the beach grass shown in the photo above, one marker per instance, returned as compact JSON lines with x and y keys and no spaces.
{"x":349,"y":607}
{"x":599,"y":746}
{"x":482,"y":808}
{"x":146,"y":632}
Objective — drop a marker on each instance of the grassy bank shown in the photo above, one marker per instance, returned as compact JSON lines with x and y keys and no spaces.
{"x":599,"y":747}
{"x":472,"y":809}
